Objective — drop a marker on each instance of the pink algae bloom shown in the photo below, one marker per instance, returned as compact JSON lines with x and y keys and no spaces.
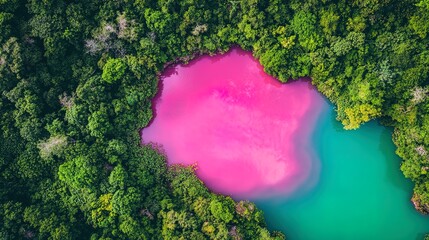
{"x":247,"y":132}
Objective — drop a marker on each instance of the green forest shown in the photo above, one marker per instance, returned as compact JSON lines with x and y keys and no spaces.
{"x":77,"y":79}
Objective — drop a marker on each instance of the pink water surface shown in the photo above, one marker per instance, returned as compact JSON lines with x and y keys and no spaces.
{"x":247,"y":132}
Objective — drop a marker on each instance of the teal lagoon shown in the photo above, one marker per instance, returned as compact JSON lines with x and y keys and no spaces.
{"x":280,"y":146}
{"x":360,"y":192}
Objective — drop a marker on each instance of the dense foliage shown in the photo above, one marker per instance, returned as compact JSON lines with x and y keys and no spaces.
{"x":77,"y":78}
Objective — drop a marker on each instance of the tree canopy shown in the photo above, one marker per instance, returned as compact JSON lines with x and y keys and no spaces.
{"x":77,"y":79}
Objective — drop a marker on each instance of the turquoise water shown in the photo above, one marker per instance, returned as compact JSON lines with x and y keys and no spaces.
{"x":361,"y":193}
{"x":251,"y":137}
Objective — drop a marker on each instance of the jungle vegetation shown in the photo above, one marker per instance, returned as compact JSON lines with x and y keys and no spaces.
{"x":77,"y":78}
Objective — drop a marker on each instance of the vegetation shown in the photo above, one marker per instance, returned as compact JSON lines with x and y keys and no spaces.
{"x":77,"y":79}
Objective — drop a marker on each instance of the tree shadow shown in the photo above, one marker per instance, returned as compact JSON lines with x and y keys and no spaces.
{"x":393,"y":162}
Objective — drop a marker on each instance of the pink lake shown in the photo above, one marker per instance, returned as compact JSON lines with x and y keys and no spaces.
{"x":247,"y":133}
